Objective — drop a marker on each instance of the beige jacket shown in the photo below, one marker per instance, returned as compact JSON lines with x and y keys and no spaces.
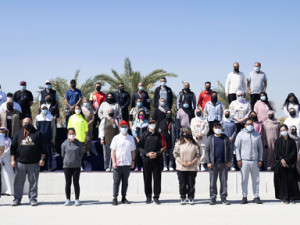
{"x":15,"y":121}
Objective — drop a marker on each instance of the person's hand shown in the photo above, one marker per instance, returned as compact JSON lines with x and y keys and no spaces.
{"x":41,"y":163}
{"x":283,"y":162}
{"x":241,"y":121}
{"x":210,"y":166}
{"x":259,"y":164}
{"x":71,"y":107}
{"x":115,"y":166}
{"x":137,"y":139}
{"x":227,"y":95}
{"x":199,"y":137}
{"x":154,"y":155}
{"x":132,"y":165}
{"x":249,"y":91}
{"x":102,"y":142}
{"x":228,"y":164}
{"x":13,"y":164}
{"x":240,"y":164}
{"x":53,"y":142}
{"x":231,"y":139}
{"x":122,"y":107}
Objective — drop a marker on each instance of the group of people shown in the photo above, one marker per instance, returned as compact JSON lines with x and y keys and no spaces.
{"x":201,"y":136}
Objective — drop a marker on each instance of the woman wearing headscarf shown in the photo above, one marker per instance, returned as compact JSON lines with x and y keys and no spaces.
{"x":160,"y":112}
{"x":229,"y":128}
{"x":108,"y":104}
{"x":262,"y":107}
{"x":184,"y":116}
{"x":291,"y":102}
{"x":256,"y":124}
{"x":270,"y":134}
{"x":200,"y":129}
{"x":285,"y":171}
{"x":7,"y":173}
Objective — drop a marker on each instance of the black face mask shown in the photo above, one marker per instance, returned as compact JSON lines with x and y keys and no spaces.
{"x":186,"y":89}
{"x":98,"y":88}
{"x":271,"y":116}
{"x":294,"y":132}
{"x":168,"y":115}
{"x":227,"y":116}
{"x":254,"y":118}
{"x":110,"y":100}
{"x":28,"y":126}
{"x":9,"y":107}
{"x":121,"y":89}
{"x":293,"y":113}
{"x":187,"y":136}
{"x":214,"y":99}
{"x":207,"y":88}
{"x":111,"y":114}
{"x":199,"y":114}
{"x":73,"y":86}
{"x":236,"y":69}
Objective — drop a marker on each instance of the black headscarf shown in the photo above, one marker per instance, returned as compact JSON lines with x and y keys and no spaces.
{"x":267,"y":100}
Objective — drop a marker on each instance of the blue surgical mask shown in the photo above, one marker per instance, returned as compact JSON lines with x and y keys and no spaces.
{"x":86,"y":104}
{"x":44,"y":111}
{"x":241,"y":98}
{"x":48,"y":86}
{"x":9,"y":98}
{"x":256,"y":69}
{"x":141,"y":88}
{"x":77,"y":111}
{"x":23,"y":88}
{"x":263,"y":98}
{"x":186,"y":105}
{"x":124,"y":130}
{"x":284,"y":133}
{"x":249,"y":128}
{"x":139,"y":104}
{"x":2,"y":134}
{"x":163,"y":83}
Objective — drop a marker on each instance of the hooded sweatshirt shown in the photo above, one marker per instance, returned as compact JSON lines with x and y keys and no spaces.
{"x":199,"y":125}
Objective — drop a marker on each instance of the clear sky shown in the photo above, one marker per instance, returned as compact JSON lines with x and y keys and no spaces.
{"x":198,"y":40}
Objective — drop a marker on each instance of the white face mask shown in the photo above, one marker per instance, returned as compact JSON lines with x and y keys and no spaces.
{"x":71,"y":137}
{"x":77,"y":111}
{"x":217,"y":131}
{"x":162,"y":103}
{"x":152,"y":126}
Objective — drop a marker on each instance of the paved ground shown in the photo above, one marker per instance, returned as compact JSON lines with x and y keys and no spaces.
{"x":98,"y":210}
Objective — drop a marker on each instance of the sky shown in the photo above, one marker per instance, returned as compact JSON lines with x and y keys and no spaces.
{"x":197,"y":40}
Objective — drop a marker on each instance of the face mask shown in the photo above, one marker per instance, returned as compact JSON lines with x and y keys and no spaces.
{"x":9,"y":99}
{"x":186,"y":105}
{"x":293,"y":113}
{"x":121,"y":89}
{"x":152,"y":126}
{"x":236,"y":69}
{"x":294,"y":132}
{"x":214,"y":99}
{"x":217,"y":131}
{"x":141,"y":88}
{"x":162,"y":103}
{"x":256,"y":69}
{"x":263,"y":98}
{"x":86,"y":104}
{"x":124,"y":130}
{"x":48,"y":86}
{"x":141,"y":117}
{"x":187,"y":88}
{"x":77,"y":111}
{"x":199,"y":114}
{"x":44,"y":111}
{"x":187,"y":136}
{"x":23,"y":88}
{"x":2,"y":134}
{"x":111,"y":115}
{"x":283,"y":133}
{"x":71,"y":137}
{"x":73,"y":86}
{"x":28,"y":126}
{"x":9,"y":107}
{"x":249,"y":128}
{"x":271,"y":116}
{"x":169,"y":116}
{"x":292,"y":100}
{"x":227,"y":116}
{"x":207,"y":88}
{"x":139,"y":104}
{"x":110,"y":100}
{"x":254,"y":118}
{"x":98,"y":88}
{"x":240,"y":98}
{"x":163,"y":83}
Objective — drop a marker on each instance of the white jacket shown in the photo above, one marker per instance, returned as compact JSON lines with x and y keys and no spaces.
{"x":293,"y":122}
{"x":235,"y":83}
{"x":105,"y":107}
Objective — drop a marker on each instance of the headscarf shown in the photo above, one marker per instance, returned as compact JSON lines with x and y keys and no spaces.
{"x":244,"y":101}
{"x":162,"y":108}
{"x":267,"y":100}
{"x":226,"y":119}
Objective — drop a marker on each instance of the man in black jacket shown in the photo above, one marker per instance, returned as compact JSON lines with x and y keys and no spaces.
{"x":123,"y":98}
{"x":186,"y":95}
{"x":163,"y":91}
{"x":150,"y":146}
{"x":141,"y":94}
{"x":27,"y":155}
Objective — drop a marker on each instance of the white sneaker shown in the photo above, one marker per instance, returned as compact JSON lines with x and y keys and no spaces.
{"x":191,"y":201}
{"x":67,"y":203}
{"x":232,"y":169}
{"x":77,"y":203}
{"x":203,"y":168}
{"x":171,"y":169}
{"x":183,"y":201}
{"x":107,"y":170}
{"x":165,"y":169}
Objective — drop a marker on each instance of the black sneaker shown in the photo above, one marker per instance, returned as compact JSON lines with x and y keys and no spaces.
{"x":257,"y":200}
{"x":148,"y":200}
{"x":16,"y":203}
{"x":115,"y":201}
{"x":212,"y":201}
{"x":244,"y":201}
{"x":156,"y":201}
{"x":292,"y":202}
{"x":125,"y":201}
{"x":224,"y":201}
{"x":286,"y":201}
{"x":33,"y":203}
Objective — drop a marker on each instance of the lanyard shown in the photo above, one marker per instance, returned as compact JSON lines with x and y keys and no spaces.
{"x":26,"y":133}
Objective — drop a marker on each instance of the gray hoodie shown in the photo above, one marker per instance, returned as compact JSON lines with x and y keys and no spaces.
{"x":248,"y":146}
{"x":72,"y":153}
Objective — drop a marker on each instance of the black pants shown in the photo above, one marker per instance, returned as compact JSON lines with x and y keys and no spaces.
{"x":138,"y":159}
{"x":152,"y":167}
{"x":49,"y":154}
{"x":95,"y":129}
{"x":69,"y":174}
{"x":254,"y":98}
{"x":125,"y":114}
{"x":187,"y":180}
{"x":211,"y":126}
{"x":231,"y":97}
{"x":239,"y":127}
{"x":121,"y":174}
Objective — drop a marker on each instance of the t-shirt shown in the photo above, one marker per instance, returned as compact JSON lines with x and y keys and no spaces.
{"x":164,"y":94}
{"x":219,"y":149}
{"x":98,"y":99}
{"x":80,"y":125}
{"x":72,"y":96}
{"x":257,"y":81}
{"x":24,"y":98}
{"x":123,"y":146}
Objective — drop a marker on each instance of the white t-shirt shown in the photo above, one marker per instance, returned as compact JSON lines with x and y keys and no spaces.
{"x":16,"y":107}
{"x":123,"y":146}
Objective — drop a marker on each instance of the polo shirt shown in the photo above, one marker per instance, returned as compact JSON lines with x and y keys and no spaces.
{"x":72,"y":96}
{"x":123,"y":146}
{"x":257,"y":81}
{"x":80,"y":125}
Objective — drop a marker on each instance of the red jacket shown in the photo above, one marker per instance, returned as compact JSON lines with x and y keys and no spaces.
{"x":204,"y":97}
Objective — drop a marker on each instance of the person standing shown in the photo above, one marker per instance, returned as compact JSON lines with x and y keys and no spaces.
{"x":293,"y":120}
{"x":183,"y":117}
{"x":205,"y":96}
{"x":160,"y":112}
{"x":10,"y":99}
{"x":218,"y":155}
{"x":73,"y":98}
{"x":291,"y":102}
{"x":108,"y":129}
{"x":249,"y":156}
{"x":257,"y":83}
{"x":27,"y":156}
{"x":235,"y":82}
{"x":256,"y":124}
{"x":186,"y":95}
{"x":141,"y":94}
{"x":285,"y":172}
{"x":262,"y":107}
{"x":122,"y":155}
{"x":10,"y":119}
{"x":89,"y":115}
{"x":123,"y":98}
{"x":52,"y":106}
{"x":45,"y":124}
{"x":79,"y":123}
{"x":46,"y":92}
{"x":151,"y":147}
{"x":72,"y":152}
{"x":25,"y":99}
{"x":165,"y":92}
{"x":187,"y":155}
{"x":107,"y":105}
{"x":270,"y":134}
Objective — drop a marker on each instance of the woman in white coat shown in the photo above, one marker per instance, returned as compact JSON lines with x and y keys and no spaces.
{"x":200,"y":129}
{"x":7,"y":173}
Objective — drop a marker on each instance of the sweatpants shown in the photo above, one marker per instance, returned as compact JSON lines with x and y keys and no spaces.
{"x":247,"y":168}
{"x":219,"y":170}
{"x":121,"y":174}
{"x":69,"y":174}
{"x":32,"y":170}
{"x":107,"y":156}
{"x":187,"y":180}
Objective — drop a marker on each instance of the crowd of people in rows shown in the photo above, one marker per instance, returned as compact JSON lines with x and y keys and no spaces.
{"x":201,"y":136}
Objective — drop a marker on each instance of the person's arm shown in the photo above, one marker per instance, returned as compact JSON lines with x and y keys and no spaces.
{"x":147,"y":100}
{"x":132,"y":157}
{"x":142,"y":145}
{"x":178,"y":101}
{"x":93,"y":117}
{"x":170,"y":99}
{"x":205,"y":113}
{"x":102,"y":130}
{"x":227,"y":85}
{"x":119,"y":111}
{"x":244,"y":84}
{"x":207,"y":151}
{"x":79,"y":100}
{"x":156,"y":97}
{"x":134,"y":133}
{"x":237,"y":146}
{"x":133,"y":101}
{"x":114,"y":159}
{"x":155,"y":116}
{"x":222,"y":110}
{"x":265,"y":84}
{"x":127,"y":103}
{"x":100,"y":111}
{"x":53,"y":128}
{"x":30,"y":99}
{"x":200,"y":99}
{"x":234,"y":132}
{"x":194,"y":101}
{"x":63,"y":150}
{"x":81,"y":150}
{"x":6,"y":151}
{"x":248,"y":85}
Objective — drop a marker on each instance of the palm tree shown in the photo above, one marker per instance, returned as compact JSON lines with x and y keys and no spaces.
{"x":131,"y":78}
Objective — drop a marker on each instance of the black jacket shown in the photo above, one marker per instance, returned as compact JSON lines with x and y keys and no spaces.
{"x":150,"y":142}
{"x":145,"y":99}
{"x":123,"y":98}
{"x":157,"y":97}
